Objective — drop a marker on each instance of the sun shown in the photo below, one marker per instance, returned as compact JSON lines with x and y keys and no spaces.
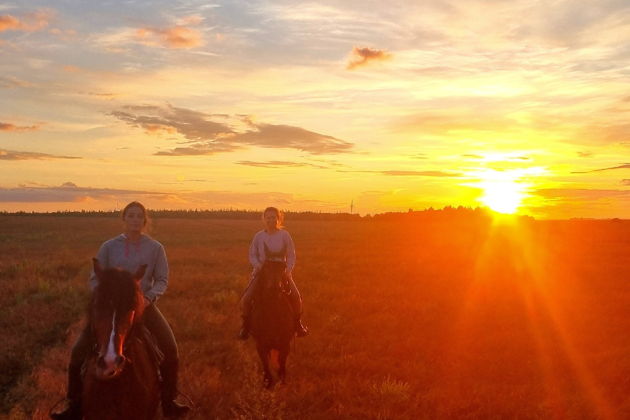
{"x":503,"y":191}
{"x":503,"y":196}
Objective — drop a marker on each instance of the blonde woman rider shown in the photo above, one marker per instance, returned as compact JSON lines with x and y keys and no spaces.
{"x":273,"y":243}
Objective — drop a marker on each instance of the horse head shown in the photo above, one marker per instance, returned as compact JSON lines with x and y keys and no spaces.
{"x":116,"y":305}
{"x":272,"y":278}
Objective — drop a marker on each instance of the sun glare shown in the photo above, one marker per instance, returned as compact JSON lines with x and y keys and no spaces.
{"x":502,"y":196}
{"x":503,"y":191}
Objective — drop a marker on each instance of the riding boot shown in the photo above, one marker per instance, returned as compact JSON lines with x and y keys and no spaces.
{"x":300,"y":329}
{"x":244,"y":333}
{"x":73,"y":404}
{"x":170,"y":407}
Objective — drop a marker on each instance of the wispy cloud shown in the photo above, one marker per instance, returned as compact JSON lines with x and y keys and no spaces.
{"x":14,"y":155}
{"x":573,"y":194}
{"x":217,"y":133}
{"x":13,"y":82}
{"x":624,"y":166}
{"x":13,"y":127}
{"x":625,"y":182}
{"x":278,"y":164}
{"x":67,"y":192}
{"x":29,"y":22}
{"x":290,"y":137}
{"x":422,"y":173}
{"x":172,"y":37}
{"x":200,"y":149}
{"x":361,"y":56}
{"x":409,"y":173}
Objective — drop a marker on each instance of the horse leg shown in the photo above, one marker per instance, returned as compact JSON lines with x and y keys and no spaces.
{"x":265,"y":354}
{"x":283,"y":353}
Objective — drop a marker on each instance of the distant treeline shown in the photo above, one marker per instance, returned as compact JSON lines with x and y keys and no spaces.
{"x":195,"y":214}
{"x":448,"y":212}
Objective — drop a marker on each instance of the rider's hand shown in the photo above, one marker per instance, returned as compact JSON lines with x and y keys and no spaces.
{"x":147,"y":302}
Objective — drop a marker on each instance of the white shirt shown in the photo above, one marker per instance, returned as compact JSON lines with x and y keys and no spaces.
{"x":279,"y":247}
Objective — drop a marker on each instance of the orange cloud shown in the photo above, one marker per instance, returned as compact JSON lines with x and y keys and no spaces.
{"x":17,"y":155}
{"x":157,"y":128}
{"x":71,"y":69}
{"x":362,"y":56}
{"x":13,"y":127}
{"x":30,"y":22}
{"x":175,"y":37}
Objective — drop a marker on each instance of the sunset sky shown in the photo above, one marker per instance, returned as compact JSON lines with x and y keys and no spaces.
{"x":520,"y":105}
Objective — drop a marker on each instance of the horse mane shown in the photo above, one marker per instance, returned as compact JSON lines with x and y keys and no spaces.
{"x":116,"y":289}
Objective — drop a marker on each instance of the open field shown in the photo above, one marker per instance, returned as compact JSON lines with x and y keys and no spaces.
{"x":449,"y":318}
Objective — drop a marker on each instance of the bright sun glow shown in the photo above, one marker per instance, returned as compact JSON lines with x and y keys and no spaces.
{"x":504,"y":191}
{"x":503,"y":196}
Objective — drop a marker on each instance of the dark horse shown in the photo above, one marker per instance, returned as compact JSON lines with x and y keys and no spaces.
{"x":121,"y":379}
{"x":272,"y":320}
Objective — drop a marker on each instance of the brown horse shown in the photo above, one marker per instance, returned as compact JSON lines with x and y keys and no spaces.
{"x":121,"y":379}
{"x":272,"y":324}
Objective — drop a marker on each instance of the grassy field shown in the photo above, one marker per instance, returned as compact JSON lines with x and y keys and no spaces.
{"x":451,"y":318}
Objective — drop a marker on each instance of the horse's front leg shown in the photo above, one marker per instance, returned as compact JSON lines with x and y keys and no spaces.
{"x":282,"y":362}
{"x":265,"y":356}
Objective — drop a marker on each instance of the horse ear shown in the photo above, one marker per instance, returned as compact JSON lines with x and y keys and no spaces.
{"x":98,"y":270}
{"x":140,"y":273}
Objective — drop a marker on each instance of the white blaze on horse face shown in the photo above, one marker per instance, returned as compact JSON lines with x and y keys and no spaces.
{"x":110,"y":356}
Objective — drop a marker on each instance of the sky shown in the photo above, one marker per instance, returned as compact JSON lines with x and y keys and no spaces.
{"x":522,"y":106}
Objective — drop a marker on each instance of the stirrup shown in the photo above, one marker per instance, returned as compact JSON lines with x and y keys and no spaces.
{"x":243,"y":334}
{"x":72,"y":412}
{"x":173,"y":409}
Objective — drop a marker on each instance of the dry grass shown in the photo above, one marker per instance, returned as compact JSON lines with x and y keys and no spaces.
{"x":452,"y":319}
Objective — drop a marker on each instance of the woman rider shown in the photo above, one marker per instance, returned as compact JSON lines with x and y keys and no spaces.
{"x":129,"y":251}
{"x":274,"y":244}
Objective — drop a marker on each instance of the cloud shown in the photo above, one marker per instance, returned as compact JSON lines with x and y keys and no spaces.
{"x":409,"y":173}
{"x":278,"y":164}
{"x":579,"y":194}
{"x":624,"y":166}
{"x":585,"y":154}
{"x":12,"y":82}
{"x":361,"y":56}
{"x":65,"y":193}
{"x":421,"y":173}
{"x":199,"y":150}
{"x":13,"y":127}
{"x":175,"y":37}
{"x":14,"y":155}
{"x":193,"y":125}
{"x":625,"y":182}
{"x":218,"y":133}
{"x":29,"y":22}
{"x":286,"y":136}
{"x":77,"y":197}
